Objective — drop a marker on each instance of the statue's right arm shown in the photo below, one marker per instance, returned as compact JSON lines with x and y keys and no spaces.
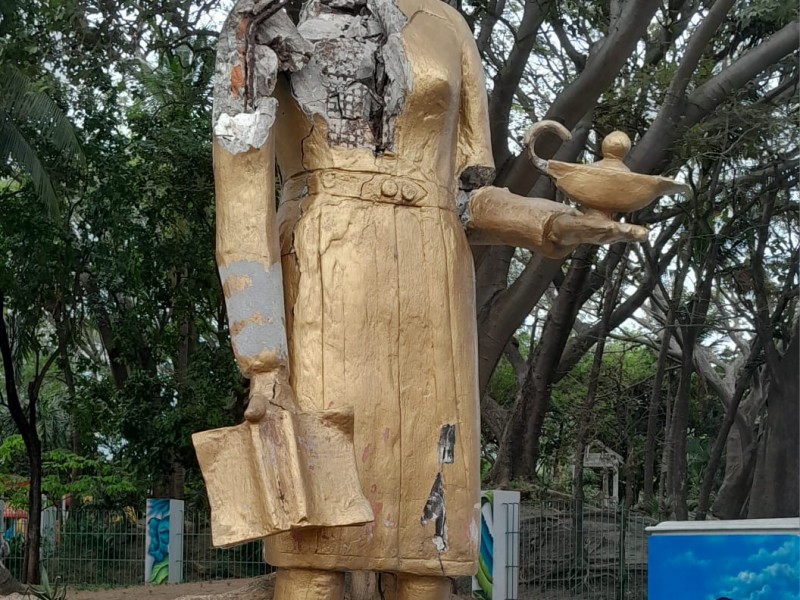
{"x":247,"y":246}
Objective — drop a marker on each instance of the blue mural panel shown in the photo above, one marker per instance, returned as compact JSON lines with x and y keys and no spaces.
{"x":157,"y":557}
{"x":163,"y":561}
{"x":713,"y":566}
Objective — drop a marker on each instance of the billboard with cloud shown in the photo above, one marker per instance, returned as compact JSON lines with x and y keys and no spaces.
{"x":724,"y":564}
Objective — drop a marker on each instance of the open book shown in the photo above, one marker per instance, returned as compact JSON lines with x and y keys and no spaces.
{"x":287,"y":471}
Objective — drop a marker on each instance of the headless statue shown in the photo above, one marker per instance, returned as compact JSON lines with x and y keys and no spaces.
{"x":357,"y":297}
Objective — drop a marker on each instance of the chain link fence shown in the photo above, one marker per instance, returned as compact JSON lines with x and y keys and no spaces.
{"x":564,"y":554}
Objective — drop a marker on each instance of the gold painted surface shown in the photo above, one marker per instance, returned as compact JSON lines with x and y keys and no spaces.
{"x":279,"y":470}
{"x":244,"y":186}
{"x":314,"y":584}
{"x":608,"y":185}
{"x":286,"y":471}
{"x":380,"y":297}
{"x":423,"y":588}
{"x":550,"y":228}
{"x":378,"y":289}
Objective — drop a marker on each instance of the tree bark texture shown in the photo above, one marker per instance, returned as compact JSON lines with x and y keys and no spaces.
{"x":776,"y":487}
{"x":519,"y":450}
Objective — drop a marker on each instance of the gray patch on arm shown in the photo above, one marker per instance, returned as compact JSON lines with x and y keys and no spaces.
{"x":256,"y":312}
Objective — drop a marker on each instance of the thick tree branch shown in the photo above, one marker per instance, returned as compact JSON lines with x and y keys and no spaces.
{"x":672,"y":108}
{"x":508,"y":77}
{"x":762,"y":316}
{"x":488,"y":21}
{"x":602,"y":67}
{"x":493,"y":416}
{"x":576,"y":57}
{"x":706,"y":98}
{"x":649,"y":155}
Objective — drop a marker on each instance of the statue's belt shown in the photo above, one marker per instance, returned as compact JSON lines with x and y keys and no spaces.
{"x":372,"y":187}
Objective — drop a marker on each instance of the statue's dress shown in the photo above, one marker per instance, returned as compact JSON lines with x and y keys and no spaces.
{"x":380,"y":304}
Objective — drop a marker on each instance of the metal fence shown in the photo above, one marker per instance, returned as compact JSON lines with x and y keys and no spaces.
{"x":564,"y":554}
{"x":571,"y":554}
{"x":89,"y":547}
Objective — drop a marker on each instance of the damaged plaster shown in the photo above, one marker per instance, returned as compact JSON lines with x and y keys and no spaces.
{"x":250,"y":52}
{"x":447,"y":443}
{"x":358,"y":75}
{"x":348,"y":66}
{"x":435,"y":509}
{"x":256,"y":311}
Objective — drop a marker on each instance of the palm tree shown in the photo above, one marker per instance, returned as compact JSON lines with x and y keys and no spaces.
{"x":29,"y":116}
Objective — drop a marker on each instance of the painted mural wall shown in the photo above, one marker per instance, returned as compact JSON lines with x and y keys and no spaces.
{"x":498,"y":559}
{"x":757,"y":566}
{"x":164,"y":541}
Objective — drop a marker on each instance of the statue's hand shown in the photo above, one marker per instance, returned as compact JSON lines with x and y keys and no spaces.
{"x":571,"y":229}
{"x":269,"y":392}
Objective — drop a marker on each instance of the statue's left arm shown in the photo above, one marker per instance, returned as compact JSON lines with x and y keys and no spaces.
{"x":493,"y":215}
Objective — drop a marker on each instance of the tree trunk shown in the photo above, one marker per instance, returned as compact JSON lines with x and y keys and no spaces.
{"x":655,"y":403}
{"x":680,"y":426}
{"x":518,"y":452}
{"x":720,"y":442}
{"x":776,"y":483}
{"x":630,"y":476}
{"x":652,"y":416}
{"x":666,"y":453}
{"x":740,"y":455}
{"x":26,"y":425}
{"x":731,"y":500}
{"x":33,"y":537}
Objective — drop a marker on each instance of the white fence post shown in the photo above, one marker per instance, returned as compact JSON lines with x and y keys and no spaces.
{"x":498,"y":569}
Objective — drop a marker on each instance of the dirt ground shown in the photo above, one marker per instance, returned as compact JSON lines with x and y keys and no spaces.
{"x":159,"y":592}
{"x":171,"y":592}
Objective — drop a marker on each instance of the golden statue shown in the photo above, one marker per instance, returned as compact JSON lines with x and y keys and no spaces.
{"x":352,"y":307}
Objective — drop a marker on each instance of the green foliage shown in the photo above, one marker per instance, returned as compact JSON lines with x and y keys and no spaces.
{"x":96,"y":480}
{"x":111,"y":123}
{"x":48,"y":591}
{"x":25,"y":110}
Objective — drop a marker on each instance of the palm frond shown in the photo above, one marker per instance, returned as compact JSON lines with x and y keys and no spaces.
{"x":25,"y":104}
{"x":14,"y":147}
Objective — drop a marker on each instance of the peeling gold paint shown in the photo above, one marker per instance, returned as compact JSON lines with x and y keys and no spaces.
{"x":235,"y":284}
{"x":237,"y":326}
